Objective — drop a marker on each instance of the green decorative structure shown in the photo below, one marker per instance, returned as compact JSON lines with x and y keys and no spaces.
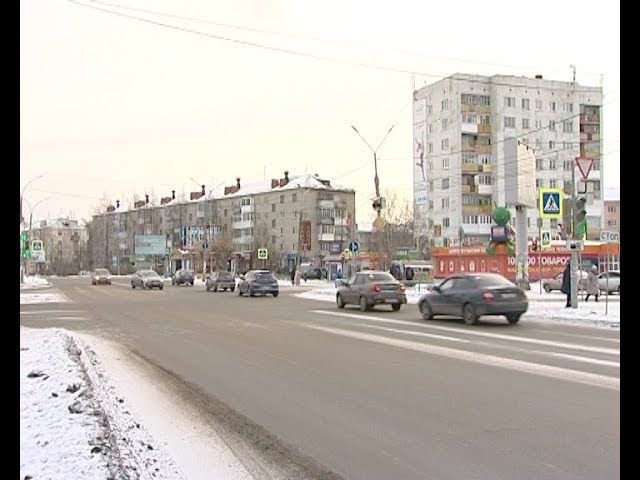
{"x":502,"y":216}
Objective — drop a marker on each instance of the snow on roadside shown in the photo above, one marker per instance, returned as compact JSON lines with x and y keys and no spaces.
{"x":34,"y":281}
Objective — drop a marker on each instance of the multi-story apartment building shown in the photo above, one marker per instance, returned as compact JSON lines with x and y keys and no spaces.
{"x":612,"y":215}
{"x":461,"y":124}
{"x":64,"y":242}
{"x":298,"y":218}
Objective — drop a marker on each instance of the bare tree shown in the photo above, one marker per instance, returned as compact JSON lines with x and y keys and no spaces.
{"x":222,"y":249}
{"x":399,"y":229}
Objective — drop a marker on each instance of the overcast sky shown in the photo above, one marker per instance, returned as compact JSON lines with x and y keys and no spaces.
{"x":115,"y":107}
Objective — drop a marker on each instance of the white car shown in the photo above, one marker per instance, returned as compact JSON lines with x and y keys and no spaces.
{"x":610,"y":285}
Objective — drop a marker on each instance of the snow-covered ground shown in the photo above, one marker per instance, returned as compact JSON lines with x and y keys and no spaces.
{"x":82,"y":418}
{"x":34,"y":281}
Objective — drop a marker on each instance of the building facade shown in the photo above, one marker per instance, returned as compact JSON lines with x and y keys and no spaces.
{"x":64,"y":242}
{"x":612,"y":215}
{"x":303,"y":218}
{"x":460,"y":164}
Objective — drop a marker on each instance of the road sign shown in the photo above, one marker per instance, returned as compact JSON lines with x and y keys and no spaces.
{"x":584,"y":165}
{"x":379,"y":223}
{"x":545,"y":238}
{"x":36,"y":245}
{"x":346,"y":254}
{"x":353,"y":246}
{"x":263,"y":254}
{"x":38,"y":257}
{"x":551,"y":203}
{"x":609,"y":237}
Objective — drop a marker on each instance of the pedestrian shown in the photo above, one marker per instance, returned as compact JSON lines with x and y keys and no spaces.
{"x":293,"y":274}
{"x":566,"y":284}
{"x":592,"y":284}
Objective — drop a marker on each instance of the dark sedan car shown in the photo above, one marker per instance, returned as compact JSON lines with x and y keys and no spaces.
{"x":147,"y":279}
{"x":472,"y":295}
{"x":258,"y":282}
{"x":221,"y":280}
{"x":183,"y":277}
{"x":369,"y":288}
{"x":315,"y":274}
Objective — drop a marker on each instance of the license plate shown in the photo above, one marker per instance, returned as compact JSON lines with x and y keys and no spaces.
{"x":509,"y":295}
{"x":391,"y":301}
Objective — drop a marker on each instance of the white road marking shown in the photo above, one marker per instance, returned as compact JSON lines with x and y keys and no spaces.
{"x":420,"y":334}
{"x":491,"y":360}
{"x":48,"y":312}
{"x":595,"y":361}
{"x":549,"y":343}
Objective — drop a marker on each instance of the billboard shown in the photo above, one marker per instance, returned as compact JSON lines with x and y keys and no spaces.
{"x":150,"y":245}
{"x":520,"y":174}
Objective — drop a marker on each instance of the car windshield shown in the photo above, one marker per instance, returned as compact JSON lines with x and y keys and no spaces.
{"x":148,"y":273}
{"x":491,"y":280}
{"x":265,"y":277}
{"x":102,"y":271}
{"x":224,"y":276}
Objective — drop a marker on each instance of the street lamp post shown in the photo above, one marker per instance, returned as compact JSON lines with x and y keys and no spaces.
{"x":22,"y":221}
{"x":377,"y":202}
{"x":29,"y":239}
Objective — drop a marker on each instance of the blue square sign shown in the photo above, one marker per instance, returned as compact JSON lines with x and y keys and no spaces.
{"x":550,"y":203}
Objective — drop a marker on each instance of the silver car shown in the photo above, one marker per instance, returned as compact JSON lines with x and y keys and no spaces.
{"x":369,"y":288}
{"x":221,"y":280}
{"x":609,"y":282}
{"x":147,"y":279}
{"x":101,"y":276}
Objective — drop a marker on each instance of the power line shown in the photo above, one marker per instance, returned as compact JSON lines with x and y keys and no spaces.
{"x":295,"y":52}
{"x":314,"y":39}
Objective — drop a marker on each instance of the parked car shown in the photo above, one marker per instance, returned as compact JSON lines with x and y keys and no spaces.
{"x":472,"y":295}
{"x":316,"y":273}
{"x":183,"y":277}
{"x":221,"y":280}
{"x":147,"y":279}
{"x":613,"y":284}
{"x":258,"y":282}
{"x":101,"y":276}
{"x":369,"y":288}
{"x":554,"y":283}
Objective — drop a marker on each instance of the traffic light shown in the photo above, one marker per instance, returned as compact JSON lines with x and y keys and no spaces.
{"x":377,"y":204}
{"x":580,"y":220}
{"x":26,"y":249}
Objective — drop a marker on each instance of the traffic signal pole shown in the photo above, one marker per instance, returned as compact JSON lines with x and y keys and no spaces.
{"x":574,"y":253}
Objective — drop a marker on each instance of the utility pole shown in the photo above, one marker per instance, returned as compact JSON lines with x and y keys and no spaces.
{"x":574,"y":253}
{"x":379,"y":222}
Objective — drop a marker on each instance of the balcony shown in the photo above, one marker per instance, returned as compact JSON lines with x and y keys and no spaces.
{"x":467,"y":189}
{"x":481,"y":149}
{"x":471,"y":128}
{"x":589,"y":137}
{"x":593,"y":118}
{"x":471,"y":168}
{"x":485,"y":189}
{"x":326,"y":204}
{"x":326,"y":237}
{"x":476,"y":209}
{"x":247,"y":209}
{"x":484,"y":129}
{"x":476,"y":229}
{"x":474,"y":107}
{"x":327,"y":221}
{"x":485,"y":168}
{"x":243,"y":224}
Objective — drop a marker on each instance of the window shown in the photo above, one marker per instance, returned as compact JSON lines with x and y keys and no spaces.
{"x":525,"y":104}
{"x":552,"y":164}
{"x":552,"y":106}
{"x":509,"y":102}
{"x":273,"y":239}
{"x":429,"y":147}
{"x":539,"y":164}
{"x":553,"y":183}
{"x":552,"y":145}
{"x":445,"y":104}
{"x":445,"y":183}
{"x":612,"y":209}
{"x":431,"y":128}
{"x":509,"y":122}
{"x":246,"y":201}
{"x":566,"y":165}
{"x":430,"y":205}
{"x":429,"y":109}
{"x":568,"y":107}
{"x":445,"y":203}
{"x":294,"y":197}
{"x":445,"y":124}
{"x":538,"y":124}
{"x":281,"y":230}
{"x":445,"y":222}
{"x":566,"y":145}
{"x":444,"y":144}
{"x":273,"y":224}
{"x":539,"y":183}
{"x":525,"y":124}
{"x":431,"y":186}
{"x":567,"y":127}
{"x":281,"y":198}
{"x":538,"y":104}
{"x":281,"y":214}
{"x":552,"y":125}
{"x":273,"y":207}
{"x":445,"y":163}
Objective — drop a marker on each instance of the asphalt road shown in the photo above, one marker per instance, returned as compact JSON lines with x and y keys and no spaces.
{"x":304,"y":390}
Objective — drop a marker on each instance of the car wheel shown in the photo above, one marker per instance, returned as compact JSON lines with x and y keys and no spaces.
{"x":215,"y":289}
{"x":191,"y":282}
{"x":469,"y":314}
{"x":160,"y":287}
{"x":618,"y":289}
{"x":250,"y":292}
{"x":275,"y":294}
{"x":239,"y":292}
{"x":547,"y":288}
{"x":339,"y":301}
{"x":513,"y":318}
{"x":208,"y":288}
{"x":133,"y":286}
{"x":233,"y":288}
{"x":395,"y":306}
{"x":425,"y":310}
{"x":364,"y":306}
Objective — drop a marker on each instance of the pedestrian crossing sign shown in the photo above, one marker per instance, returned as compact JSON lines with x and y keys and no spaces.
{"x":550,"y":203}
{"x":545,"y":238}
